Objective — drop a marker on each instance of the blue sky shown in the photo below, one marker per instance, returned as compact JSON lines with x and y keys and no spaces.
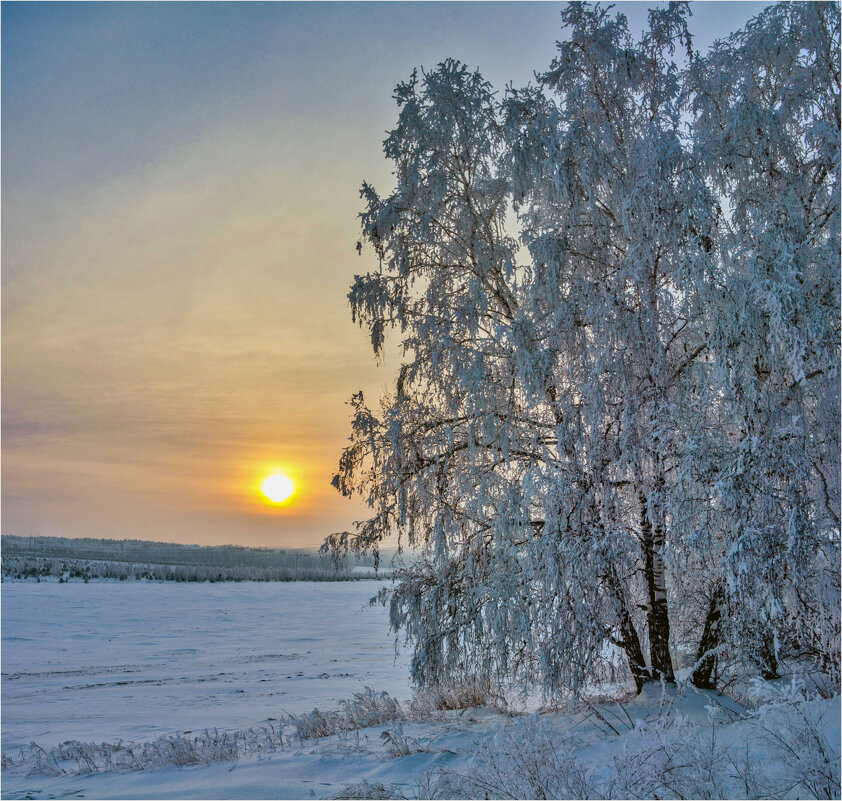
{"x":180,"y":190}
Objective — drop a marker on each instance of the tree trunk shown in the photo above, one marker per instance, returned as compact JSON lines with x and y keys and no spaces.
{"x":657,"y":614}
{"x":629,"y":641}
{"x":705,"y":674}
{"x":767,"y":659}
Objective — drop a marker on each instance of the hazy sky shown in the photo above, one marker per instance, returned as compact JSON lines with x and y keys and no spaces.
{"x":179,"y":201}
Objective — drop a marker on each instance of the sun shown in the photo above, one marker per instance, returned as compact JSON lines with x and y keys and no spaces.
{"x":277,"y":488}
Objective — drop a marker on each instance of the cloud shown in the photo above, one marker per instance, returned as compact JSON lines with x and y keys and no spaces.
{"x":181,"y":326}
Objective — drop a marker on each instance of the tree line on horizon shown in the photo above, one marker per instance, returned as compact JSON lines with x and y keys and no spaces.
{"x":88,"y":558}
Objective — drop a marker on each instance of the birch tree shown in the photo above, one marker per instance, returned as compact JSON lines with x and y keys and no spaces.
{"x":766,"y":128}
{"x":609,"y":289}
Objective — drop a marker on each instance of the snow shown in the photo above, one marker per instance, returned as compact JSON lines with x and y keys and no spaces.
{"x":103,"y":661}
{"x":110,"y":661}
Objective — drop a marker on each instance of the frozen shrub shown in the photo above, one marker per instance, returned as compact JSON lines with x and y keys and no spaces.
{"x":522,"y":761}
{"x":369,"y":708}
{"x":211,"y":746}
{"x":315,"y":724}
{"x":793,"y":727}
{"x":399,"y":744}
{"x":366,"y":790}
{"x":455,"y":695}
{"x":783,"y":749}
{"x":365,"y":709}
{"x":44,"y":763}
{"x":673,"y":758}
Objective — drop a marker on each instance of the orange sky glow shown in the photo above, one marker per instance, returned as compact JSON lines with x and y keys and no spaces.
{"x":180,"y":191}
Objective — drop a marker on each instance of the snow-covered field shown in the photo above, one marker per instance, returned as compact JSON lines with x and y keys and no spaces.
{"x":134,"y":659}
{"x":106,"y":662}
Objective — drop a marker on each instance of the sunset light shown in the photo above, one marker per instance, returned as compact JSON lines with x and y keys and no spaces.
{"x":278,"y":488}
{"x":365,"y":361}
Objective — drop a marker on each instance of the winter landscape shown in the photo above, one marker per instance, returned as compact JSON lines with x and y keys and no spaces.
{"x":209,"y":690}
{"x":581,"y":538}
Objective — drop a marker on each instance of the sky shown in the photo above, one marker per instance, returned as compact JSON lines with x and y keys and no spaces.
{"x":180,"y":190}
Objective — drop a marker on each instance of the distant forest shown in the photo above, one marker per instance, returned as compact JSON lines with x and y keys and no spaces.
{"x":85,"y":559}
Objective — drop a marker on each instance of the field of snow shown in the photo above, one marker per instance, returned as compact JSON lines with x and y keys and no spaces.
{"x":104,"y":661}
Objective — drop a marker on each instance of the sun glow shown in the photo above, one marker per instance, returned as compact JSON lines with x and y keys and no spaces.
{"x":277,"y":488}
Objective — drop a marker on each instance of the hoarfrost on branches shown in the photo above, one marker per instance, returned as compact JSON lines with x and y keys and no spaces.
{"x":613,"y":440}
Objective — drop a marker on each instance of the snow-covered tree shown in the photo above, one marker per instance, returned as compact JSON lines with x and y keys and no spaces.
{"x":623,"y":232}
{"x":766,"y":131}
{"x":617,"y":410}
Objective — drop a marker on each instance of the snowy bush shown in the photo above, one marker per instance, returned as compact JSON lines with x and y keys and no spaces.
{"x":471,"y":693}
{"x":365,"y":709}
{"x":779,"y":750}
{"x":673,"y":758}
{"x":373,"y":791}
{"x":525,"y":760}
{"x":791,"y":724}
{"x":165,"y":751}
{"x":399,"y":744}
{"x":667,"y":744}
